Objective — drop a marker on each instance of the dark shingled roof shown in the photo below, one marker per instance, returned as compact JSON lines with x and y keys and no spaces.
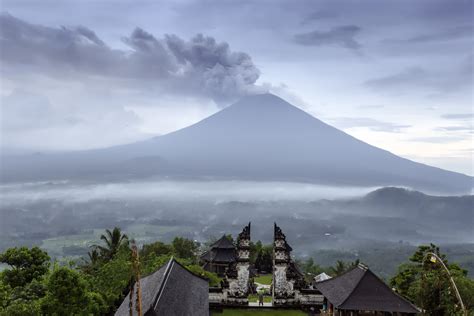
{"x":360,"y":289}
{"x":171,"y":290}
{"x":222,"y":251}
{"x":219,"y":255}
{"x":223,"y":243}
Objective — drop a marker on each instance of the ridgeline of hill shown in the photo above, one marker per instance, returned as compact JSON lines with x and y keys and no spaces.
{"x":261,"y":137}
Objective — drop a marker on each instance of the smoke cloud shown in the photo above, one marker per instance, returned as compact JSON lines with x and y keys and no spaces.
{"x":200,"y":66}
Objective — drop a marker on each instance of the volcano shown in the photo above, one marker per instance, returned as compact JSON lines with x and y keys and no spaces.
{"x":261,"y":137}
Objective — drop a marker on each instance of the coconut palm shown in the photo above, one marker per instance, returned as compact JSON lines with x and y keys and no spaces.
{"x":94,"y":255}
{"x":339,"y":268}
{"x":113,"y":241}
{"x":90,"y":263}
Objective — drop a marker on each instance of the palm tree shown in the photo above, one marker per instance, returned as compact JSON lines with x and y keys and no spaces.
{"x":113,"y":241}
{"x":355,"y":263}
{"x":94,"y":255}
{"x":339,"y":268}
{"x":91,"y":263}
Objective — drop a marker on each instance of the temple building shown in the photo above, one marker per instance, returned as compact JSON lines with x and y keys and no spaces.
{"x":360,"y":292}
{"x":172,"y":290}
{"x":220,"y":256}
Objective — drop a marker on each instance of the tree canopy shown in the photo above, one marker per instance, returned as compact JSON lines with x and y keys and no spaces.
{"x":31,"y":286}
{"x":426,"y":283}
{"x":26,"y":265}
{"x":113,"y":239}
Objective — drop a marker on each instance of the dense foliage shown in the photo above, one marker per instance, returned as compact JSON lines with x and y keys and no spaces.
{"x":94,"y":287}
{"x":26,"y":265}
{"x":97,"y":286}
{"x":261,"y":256}
{"x":426,"y":283}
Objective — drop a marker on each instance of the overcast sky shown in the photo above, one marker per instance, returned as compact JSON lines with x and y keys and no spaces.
{"x":87,"y":74}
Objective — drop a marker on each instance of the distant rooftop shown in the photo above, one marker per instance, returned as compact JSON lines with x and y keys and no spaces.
{"x":360,"y":289}
{"x":223,"y":243}
{"x":222,"y":251}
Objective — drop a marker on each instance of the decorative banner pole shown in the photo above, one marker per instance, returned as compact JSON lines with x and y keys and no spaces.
{"x":130,"y":303}
{"x":435,"y":258}
{"x":136,"y":277}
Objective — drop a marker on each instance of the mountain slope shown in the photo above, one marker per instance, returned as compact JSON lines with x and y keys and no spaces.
{"x":260,"y":137}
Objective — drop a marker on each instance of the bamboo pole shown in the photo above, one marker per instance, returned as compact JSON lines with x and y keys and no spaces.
{"x":458,"y":296}
{"x":136,"y":276}
{"x":130,"y":303}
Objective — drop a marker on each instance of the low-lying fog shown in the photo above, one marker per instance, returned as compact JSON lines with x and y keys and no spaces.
{"x":171,"y":190}
{"x":66,"y":217}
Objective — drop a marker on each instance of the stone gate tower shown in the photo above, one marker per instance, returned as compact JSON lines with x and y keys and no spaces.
{"x":238,"y":274}
{"x":287,"y":279}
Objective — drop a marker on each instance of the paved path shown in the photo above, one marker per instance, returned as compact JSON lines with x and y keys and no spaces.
{"x":255,"y":304}
{"x":264,"y":287}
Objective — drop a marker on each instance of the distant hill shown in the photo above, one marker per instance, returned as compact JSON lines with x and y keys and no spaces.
{"x":261,"y":137}
{"x":393,"y":214}
{"x":423,"y":208}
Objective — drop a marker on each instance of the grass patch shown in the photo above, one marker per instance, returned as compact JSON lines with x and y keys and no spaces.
{"x":264,"y":279}
{"x":142,"y":233}
{"x":244,"y":312}
{"x":254,"y":298}
{"x":54,"y":246}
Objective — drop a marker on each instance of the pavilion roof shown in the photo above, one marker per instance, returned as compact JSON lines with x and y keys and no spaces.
{"x":360,"y":289}
{"x":223,"y":243}
{"x":171,"y":290}
{"x":219,"y":255}
{"x":222,"y":251}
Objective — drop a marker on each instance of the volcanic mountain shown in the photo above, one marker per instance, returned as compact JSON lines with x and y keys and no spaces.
{"x":261,"y":137}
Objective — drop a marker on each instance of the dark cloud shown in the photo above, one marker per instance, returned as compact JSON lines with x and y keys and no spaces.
{"x":220,"y":71}
{"x":443,"y":35}
{"x":442,"y":10}
{"x":200,"y":66}
{"x":339,"y":36}
{"x":434,"y":81}
{"x":372,"y":124}
{"x":286,"y":14}
{"x":319,"y":15}
{"x":401,"y":78}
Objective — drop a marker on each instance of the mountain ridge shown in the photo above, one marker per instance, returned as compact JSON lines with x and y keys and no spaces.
{"x":264,"y":137}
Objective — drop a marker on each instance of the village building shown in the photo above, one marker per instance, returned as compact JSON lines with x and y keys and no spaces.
{"x":172,"y":290}
{"x":360,"y":292}
{"x":220,"y":256}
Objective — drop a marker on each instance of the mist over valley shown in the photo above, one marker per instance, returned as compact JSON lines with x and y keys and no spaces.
{"x":66,"y":217}
{"x":260,"y":160}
